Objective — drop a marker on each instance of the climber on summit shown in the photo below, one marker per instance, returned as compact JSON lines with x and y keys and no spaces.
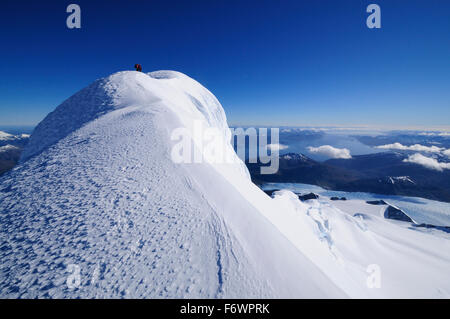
{"x":138,"y":67}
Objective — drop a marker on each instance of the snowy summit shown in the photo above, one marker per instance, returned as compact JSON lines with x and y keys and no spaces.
{"x":98,"y":209}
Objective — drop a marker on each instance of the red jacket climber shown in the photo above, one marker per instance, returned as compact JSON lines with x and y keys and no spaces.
{"x":138,"y":67}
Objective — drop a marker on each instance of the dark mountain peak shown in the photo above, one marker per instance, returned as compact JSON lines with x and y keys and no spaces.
{"x":384,"y":155}
{"x":295,"y":160}
{"x":399,"y":180}
{"x":295,"y":157}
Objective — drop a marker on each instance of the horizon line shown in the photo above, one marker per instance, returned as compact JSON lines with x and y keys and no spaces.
{"x":436,"y":128}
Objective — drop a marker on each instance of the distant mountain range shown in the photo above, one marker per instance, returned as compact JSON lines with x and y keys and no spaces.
{"x":381,"y":173}
{"x":10,"y":149}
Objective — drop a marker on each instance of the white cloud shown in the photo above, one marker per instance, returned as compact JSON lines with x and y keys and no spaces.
{"x":276,"y":147}
{"x":427,"y":162}
{"x":415,"y":147}
{"x":435,"y":133}
{"x":331,"y":151}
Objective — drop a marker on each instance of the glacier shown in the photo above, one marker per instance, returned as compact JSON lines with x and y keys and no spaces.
{"x":98,"y":209}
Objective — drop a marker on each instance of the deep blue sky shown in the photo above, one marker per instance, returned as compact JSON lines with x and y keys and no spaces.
{"x":268,"y":62}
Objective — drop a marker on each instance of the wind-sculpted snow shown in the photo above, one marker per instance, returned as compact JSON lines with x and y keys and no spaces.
{"x":81,"y":108}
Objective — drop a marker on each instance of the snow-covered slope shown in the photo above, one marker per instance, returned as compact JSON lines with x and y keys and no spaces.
{"x":98,"y":198}
{"x":97,"y":192}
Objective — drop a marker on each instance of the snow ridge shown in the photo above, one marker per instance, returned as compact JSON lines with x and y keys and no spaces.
{"x":98,"y":209}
